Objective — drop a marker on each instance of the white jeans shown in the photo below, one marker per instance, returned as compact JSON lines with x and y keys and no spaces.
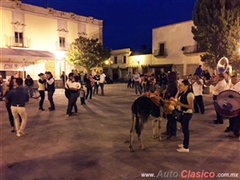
{"x":23,"y":114}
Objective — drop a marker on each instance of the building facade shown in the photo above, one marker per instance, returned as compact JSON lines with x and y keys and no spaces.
{"x":35,"y":39}
{"x":173,"y":48}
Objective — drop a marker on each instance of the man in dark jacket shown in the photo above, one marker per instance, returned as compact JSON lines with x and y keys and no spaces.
{"x":171,"y":91}
{"x":29,"y":81}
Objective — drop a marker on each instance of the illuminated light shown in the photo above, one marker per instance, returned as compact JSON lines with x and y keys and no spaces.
{"x":106,"y":62}
{"x":60,"y":55}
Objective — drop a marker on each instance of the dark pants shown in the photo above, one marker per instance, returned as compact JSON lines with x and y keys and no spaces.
{"x":137,"y":87}
{"x":219,"y":117}
{"x":50,"y":98}
{"x":198,"y":104}
{"x":89,"y":92}
{"x":95,"y":91}
{"x":129,"y":83}
{"x":102,"y":90}
{"x":42,"y":95}
{"x":1,"y":90}
{"x":10,"y":115}
{"x":231,"y":124}
{"x":82,"y":100}
{"x":185,"y":128}
{"x":171,"y":125}
{"x":72,"y":102}
{"x":236,"y":125}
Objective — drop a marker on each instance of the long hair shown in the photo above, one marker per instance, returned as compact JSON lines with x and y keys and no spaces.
{"x":186,"y":83}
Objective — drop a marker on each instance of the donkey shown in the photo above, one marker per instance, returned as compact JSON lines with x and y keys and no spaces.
{"x":144,"y":109}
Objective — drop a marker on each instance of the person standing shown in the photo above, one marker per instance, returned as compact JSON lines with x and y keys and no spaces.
{"x":73,"y":86}
{"x":102,"y":81}
{"x":197,"y":87}
{"x":129,"y":80}
{"x":29,"y":84}
{"x":96,"y":79}
{"x":50,"y":83}
{"x":171,"y":91}
{"x":7,"y":89}
{"x":89,"y":85}
{"x":199,"y":71}
{"x":136,"y":79}
{"x":185,"y":103}
{"x":63,"y":78}
{"x":234,"y":124}
{"x":221,"y":86}
{"x":41,"y":90}
{"x":18,"y":98}
{"x":82,"y":96}
{"x":1,"y":86}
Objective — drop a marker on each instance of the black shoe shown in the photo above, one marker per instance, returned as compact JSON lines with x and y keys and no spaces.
{"x":41,"y":109}
{"x":227,"y":130}
{"x":49,"y":108}
{"x":170,"y":137}
{"x":52,"y":109}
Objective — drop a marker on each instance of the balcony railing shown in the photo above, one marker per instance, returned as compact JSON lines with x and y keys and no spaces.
{"x":12,"y":42}
{"x":191,"y":49}
{"x":158,"y":53}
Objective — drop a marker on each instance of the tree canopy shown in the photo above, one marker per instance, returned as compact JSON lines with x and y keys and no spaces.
{"x":87,"y":53}
{"x":217,"y":30}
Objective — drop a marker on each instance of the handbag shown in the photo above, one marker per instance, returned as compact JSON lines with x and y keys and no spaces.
{"x":177,"y":115}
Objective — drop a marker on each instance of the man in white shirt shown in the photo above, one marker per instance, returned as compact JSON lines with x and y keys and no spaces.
{"x":197,"y":87}
{"x":136,"y":79}
{"x":234,"y":123}
{"x":102,"y":81}
{"x":221,"y":86}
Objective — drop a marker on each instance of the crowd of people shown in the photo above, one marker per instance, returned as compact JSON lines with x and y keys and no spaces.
{"x":16,"y":95}
{"x":187,"y":92}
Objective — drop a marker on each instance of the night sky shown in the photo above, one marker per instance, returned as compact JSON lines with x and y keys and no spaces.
{"x":126,"y":23}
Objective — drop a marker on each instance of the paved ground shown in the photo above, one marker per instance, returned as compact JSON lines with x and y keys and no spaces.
{"x":94,"y":144}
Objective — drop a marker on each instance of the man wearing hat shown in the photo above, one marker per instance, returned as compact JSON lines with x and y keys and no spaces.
{"x":50,"y":85}
{"x":41,"y":90}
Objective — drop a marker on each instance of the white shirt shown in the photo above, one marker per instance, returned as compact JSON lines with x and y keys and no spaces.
{"x":71,"y":84}
{"x":228,"y":84}
{"x":102,"y":78}
{"x":136,"y":77}
{"x":236,"y":87}
{"x":197,"y":88}
{"x":221,"y":86}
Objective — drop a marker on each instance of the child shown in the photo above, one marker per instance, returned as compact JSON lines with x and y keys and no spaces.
{"x":82,"y":96}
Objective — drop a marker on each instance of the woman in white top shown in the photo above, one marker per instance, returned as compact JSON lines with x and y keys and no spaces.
{"x":41,"y":90}
{"x":73,"y":88}
{"x":185,"y":103}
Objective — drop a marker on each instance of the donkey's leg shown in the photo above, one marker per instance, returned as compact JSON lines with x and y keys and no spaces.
{"x":140,"y":137}
{"x":159,"y":128}
{"x":131,"y":133}
{"x":155,"y":128}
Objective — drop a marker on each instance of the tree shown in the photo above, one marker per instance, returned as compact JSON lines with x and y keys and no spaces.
{"x":87,"y":53}
{"x":217,"y":30}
